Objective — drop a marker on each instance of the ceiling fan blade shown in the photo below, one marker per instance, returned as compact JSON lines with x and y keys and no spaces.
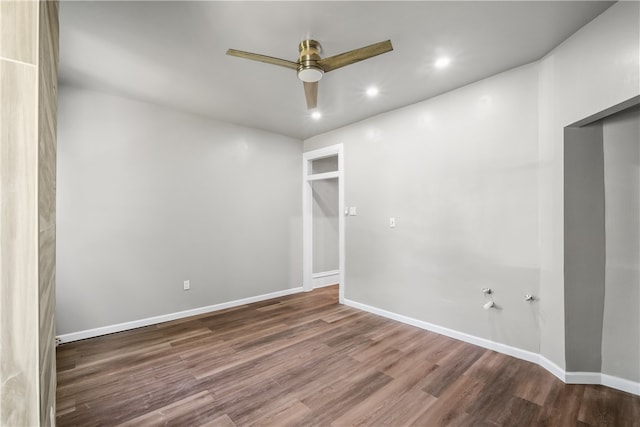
{"x":263,"y":58}
{"x":311,"y":94}
{"x":347,"y":58}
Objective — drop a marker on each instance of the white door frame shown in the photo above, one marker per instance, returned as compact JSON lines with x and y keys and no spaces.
{"x":307,"y":213}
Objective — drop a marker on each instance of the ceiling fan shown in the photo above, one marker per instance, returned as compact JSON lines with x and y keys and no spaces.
{"x":311,"y":67}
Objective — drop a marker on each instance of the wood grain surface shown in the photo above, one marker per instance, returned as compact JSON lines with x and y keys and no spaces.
{"x":305,"y":360}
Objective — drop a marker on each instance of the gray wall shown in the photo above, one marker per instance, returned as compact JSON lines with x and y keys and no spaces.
{"x":584,"y":247}
{"x":621,"y":323}
{"x":593,"y":70}
{"x":430,"y":166}
{"x":149,"y":197}
{"x":459,"y":174}
{"x":602,"y":255}
{"x":325,"y":225}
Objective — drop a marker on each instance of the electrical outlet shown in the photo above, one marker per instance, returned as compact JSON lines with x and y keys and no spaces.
{"x":58,"y":341}
{"x":186,"y":285}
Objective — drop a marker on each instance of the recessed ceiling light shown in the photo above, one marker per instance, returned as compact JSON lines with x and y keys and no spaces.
{"x":316,"y":115}
{"x":372,"y":91}
{"x":442,"y":62}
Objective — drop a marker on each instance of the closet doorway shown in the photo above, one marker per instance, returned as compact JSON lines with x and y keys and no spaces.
{"x":323,"y":219}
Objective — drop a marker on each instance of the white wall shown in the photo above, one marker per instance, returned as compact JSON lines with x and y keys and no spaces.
{"x":149,"y":197}
{"x":596,"y":68}
{"x":459,"y":174}
{"x":621,"y":323}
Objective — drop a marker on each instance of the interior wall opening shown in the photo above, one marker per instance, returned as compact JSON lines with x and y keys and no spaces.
{"x":602,"y":244}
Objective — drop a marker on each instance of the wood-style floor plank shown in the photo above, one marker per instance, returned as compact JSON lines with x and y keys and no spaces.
{"x":305,"y":360}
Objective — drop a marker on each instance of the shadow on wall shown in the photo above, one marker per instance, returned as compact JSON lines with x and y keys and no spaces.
{"x":602,"y":241}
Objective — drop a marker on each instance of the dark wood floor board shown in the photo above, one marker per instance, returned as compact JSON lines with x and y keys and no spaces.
{"x":253,"y":350}
{"x":65,"y":406}
{"x":339,"y":313}
{"x":376,"y":347}
{"x":249,"y":400}
{"x":302,"y":302}
{"x":380,"y":360}
{"x":125,"y":340}
{"x":348,"y":333}
{"x":114,"y":404}
{"x":385,"y":330}
{"x":464,"y":391}
{"x":488,"y":366}
{"x":410,"y":361}
{"x":304,"y":384}
{"x":441,"y":347}
{"x":123,"y":358}
{"x":517,"y":412}
{"x":274,"y":340}
{"x":445,"y":416}
{"x":268,"y":367}
{"x":406,"y":410}
{"x":176,"y":412}
{"x":607,"y":407}
{"x":310,"y":315}
{"x":305,"y":360}
{"x":244,"y":316}
{"x":221,"y":421}
{"x":188,"y":337}
{"x":493,"y":398}
{"x":198,"y":360}
{"x":197,"y":346}
{"x":538,"y":386}
{"x":450,"y":368}
{"x":562,"y":405}
{"x":66,"y":358}
{"x":425,"y":340}
{"x":382,"y":400}
{"x":288,"y":414}
{"x":110,"y":371}
{"x":333,"y":401}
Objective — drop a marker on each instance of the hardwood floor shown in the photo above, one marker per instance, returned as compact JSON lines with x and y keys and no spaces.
{"x":304,"y":360}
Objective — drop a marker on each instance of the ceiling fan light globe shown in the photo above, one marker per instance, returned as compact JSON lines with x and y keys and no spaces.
{"x":310,"y":74}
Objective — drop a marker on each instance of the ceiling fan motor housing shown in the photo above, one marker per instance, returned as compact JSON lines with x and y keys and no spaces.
{"x":309,"y":71}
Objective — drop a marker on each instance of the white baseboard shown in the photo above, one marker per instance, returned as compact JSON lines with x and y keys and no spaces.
{"x":482,"y":342}
{"x":553,"y":368}
{"x":110,"y":329}
{"x":582,"y":377}
{"x":326,"y":278}
{"x":603,"y":379}
{"x":629,"y":386}
{"x":567,"y":377}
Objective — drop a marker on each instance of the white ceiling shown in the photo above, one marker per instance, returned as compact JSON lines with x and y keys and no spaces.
{"x":173,"y":53}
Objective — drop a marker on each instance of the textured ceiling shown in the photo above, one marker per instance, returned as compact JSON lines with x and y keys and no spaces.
{"x":173,"y":53}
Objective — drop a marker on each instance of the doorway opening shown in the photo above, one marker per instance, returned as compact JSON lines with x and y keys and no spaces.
{"x":602,"y":242}
{"x":322,"y":218}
